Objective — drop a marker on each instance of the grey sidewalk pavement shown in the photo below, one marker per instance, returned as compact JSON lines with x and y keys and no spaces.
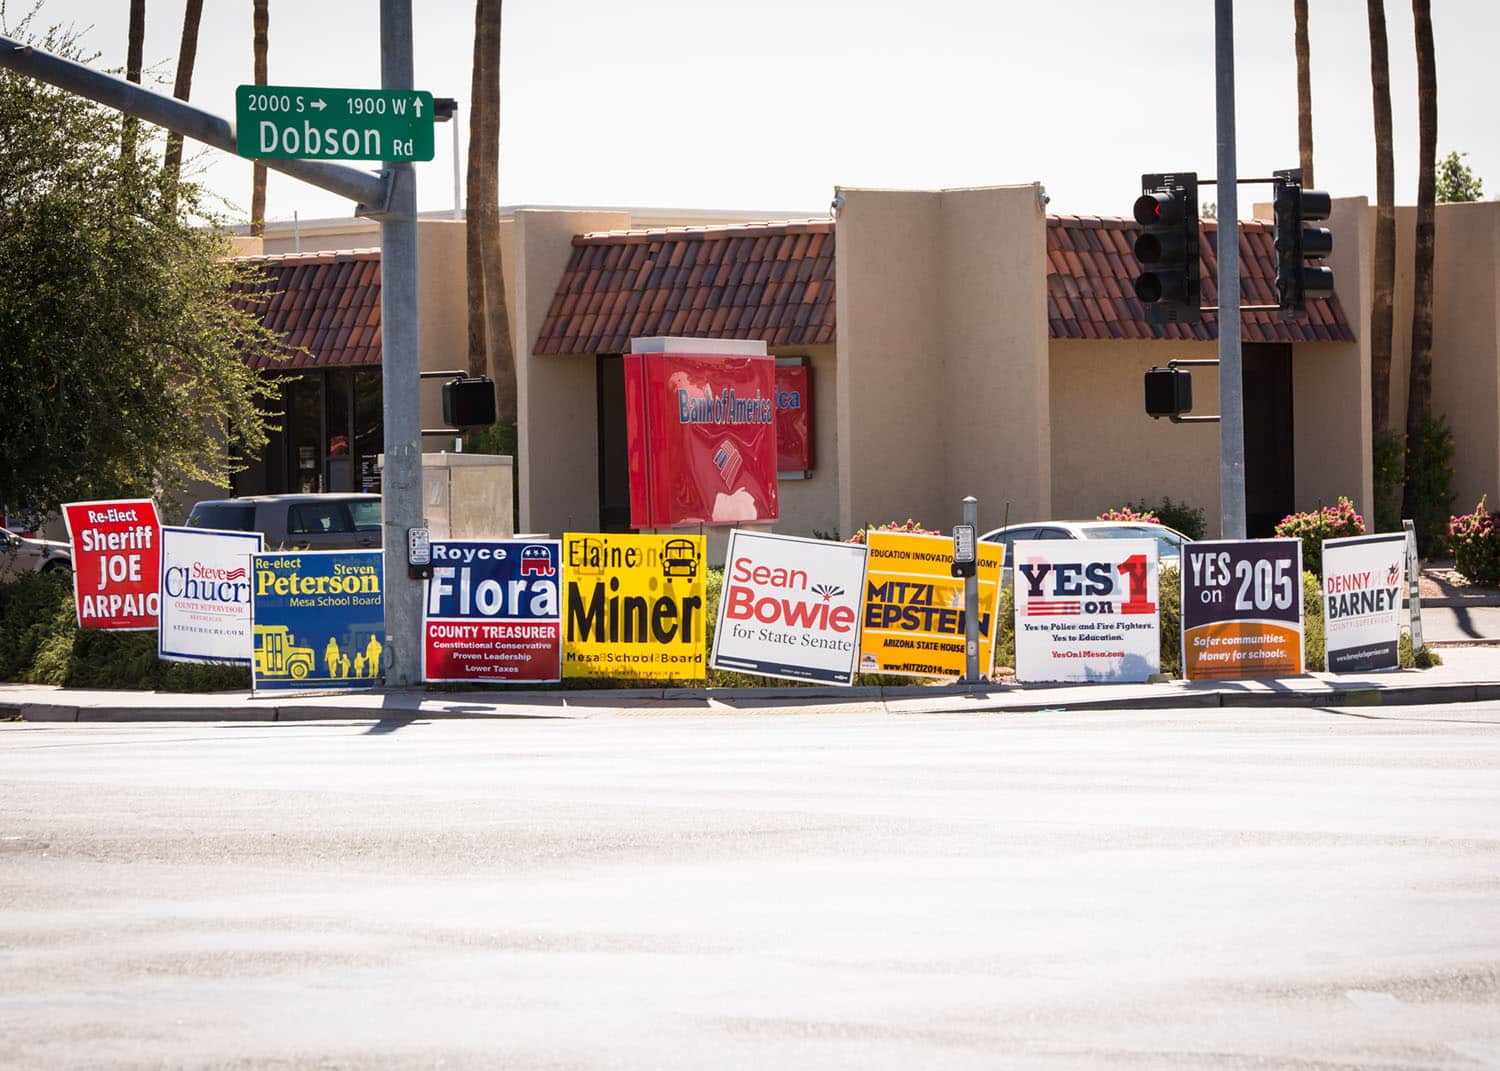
{"x":1468,"y":674}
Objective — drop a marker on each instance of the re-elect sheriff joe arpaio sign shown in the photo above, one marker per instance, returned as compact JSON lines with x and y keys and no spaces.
{"x":116,"y":563}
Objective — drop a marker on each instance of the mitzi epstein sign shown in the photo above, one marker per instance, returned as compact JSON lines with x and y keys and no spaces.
{"x":493,"y":611}
{"x":205,"y":595}
{"x":1362,"y":581}
{"x":914,"y":621}
{"x":319,"y":619}
{"x":1086,"y":610}
{"x":790,"y":607}
{"x":116,"y":563}
{"x":701,"y":439}
{"x":1242,"y":609}
{"x":634,"y":606}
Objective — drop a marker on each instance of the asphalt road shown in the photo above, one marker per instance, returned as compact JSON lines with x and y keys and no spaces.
{"x":1221,"y":888}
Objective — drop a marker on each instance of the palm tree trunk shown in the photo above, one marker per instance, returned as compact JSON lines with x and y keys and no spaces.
{"x":182,"y":87}
{"x":135,"y":47}
{"x":1382,"y":310}
{"x":262,"y":18}
{"x":1419,"y":393}
{"x":1304,"y":94}
{"x":473,"y":195}
{"x":502,"y":356}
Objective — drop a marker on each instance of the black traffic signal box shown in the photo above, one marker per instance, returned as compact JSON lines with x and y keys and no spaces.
{"x":1167,"y":248}
{"x":1297,"y":243}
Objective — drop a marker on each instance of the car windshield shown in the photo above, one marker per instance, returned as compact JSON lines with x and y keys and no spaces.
{"x":225,"y":516}
{"x":366,"y":516}
{"x":1168,"y":542}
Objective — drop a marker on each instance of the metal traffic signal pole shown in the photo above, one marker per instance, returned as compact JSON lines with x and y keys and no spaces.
{"x":1231,"y":383}
{"x":400,"y":369}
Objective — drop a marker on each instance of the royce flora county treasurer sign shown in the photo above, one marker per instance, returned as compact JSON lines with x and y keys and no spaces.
{"x":301,"y":123}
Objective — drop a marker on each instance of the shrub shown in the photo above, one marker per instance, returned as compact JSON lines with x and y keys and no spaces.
{"x":1429,"y":484}
{"x":1189,"y":520}
{"x":1390,"y":474}
{"x":909,"y":526}
{"x":1330,"y":522}
{"x":1475,"y":540}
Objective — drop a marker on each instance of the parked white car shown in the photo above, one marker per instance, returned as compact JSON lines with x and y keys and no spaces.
{"x":19,"y":555}
{"x":1169,"y":541}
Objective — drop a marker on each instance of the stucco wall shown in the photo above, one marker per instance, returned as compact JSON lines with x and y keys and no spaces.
{"x":557,"y":397}
{"x":1106,"y":451}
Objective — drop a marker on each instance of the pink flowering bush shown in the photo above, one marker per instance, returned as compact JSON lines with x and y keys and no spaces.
{"x":910,"y":526}
{"x":1126,"y":513}
{"x":1330,"y":522}
{"x":1475,"y":540}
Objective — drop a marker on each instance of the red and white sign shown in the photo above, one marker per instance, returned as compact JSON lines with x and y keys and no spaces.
{"x":701,"y":435}
{"x":116,"y":563}
{"x":794,"y":423}
{"x":790,"y":607}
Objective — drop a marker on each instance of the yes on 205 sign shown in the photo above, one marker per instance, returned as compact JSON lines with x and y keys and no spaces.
{"x":1242,"y":609}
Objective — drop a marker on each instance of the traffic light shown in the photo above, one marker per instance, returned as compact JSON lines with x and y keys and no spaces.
{"x":469,"y":403}
{"x":1169,"y":392}
{"x":1296,"y":244}
{"x":1167,"y":248}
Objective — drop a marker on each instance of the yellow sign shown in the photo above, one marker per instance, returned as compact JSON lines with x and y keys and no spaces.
{"x":634,"y":606}
{"x":914,"y":606}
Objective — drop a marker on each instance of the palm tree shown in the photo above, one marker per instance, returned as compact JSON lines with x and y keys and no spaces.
{"x":1382,"y":311}
{"x":262,"y":22}
{"x":1304,"y":94}
{"x":473,"y":190}
{"x":187,"y":55}
{"x":135,"y":46}
{"x":484,"y":196}
{"x":1419,"y":392}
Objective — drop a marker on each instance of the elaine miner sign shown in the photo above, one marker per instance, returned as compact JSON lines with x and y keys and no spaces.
{"x":701,"y":438}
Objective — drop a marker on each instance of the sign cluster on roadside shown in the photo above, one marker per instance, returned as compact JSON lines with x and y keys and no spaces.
{"x":634,"y":607}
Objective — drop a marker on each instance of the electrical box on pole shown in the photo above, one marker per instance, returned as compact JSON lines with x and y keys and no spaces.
{"x":1167,"y":248}
{"x":1297,"y":243}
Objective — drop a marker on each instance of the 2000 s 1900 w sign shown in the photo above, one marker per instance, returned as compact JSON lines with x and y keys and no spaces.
{"x":790,"y":607}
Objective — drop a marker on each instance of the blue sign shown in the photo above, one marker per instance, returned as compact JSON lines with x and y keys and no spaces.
{"x":319,"y":619}
{"x":493,"y":611}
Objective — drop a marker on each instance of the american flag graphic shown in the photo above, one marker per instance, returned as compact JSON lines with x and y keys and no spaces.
{"x":1052,"y":607}
{"x":235,"y":574}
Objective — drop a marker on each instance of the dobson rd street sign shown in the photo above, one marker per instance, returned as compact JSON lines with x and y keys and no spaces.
{"x":297,"y":122}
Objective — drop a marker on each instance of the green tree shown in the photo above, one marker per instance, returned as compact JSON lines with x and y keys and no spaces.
{"x":122,"y":364}
{"x":1456,"y":181}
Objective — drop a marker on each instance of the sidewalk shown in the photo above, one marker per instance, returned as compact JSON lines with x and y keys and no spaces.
{"x":1468,"y":674}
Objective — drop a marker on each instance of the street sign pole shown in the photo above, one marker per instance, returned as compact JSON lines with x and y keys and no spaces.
{"x":401,"y":479}
{"x":1231,"y":384}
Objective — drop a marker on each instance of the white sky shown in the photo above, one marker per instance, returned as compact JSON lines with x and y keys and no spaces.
{"x":769,"y":104}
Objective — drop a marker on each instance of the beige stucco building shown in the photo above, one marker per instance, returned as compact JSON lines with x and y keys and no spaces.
{"x":962,"y":342}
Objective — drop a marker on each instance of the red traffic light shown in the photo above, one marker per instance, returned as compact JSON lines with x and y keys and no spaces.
{"x":1158,"y":209}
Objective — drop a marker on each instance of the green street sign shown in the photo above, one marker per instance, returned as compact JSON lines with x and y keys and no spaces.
{"x":301,"y":123}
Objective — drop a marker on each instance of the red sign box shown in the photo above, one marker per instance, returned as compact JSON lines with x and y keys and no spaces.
{"x":794,"y":442}
{"x":701,"y":432}
{"x":116,"y":563}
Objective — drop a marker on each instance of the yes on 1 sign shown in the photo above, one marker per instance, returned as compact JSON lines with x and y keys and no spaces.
{"x":1087,"y":610}
{"x":1362,"y":578}
{"x":790,"y":607}
{"x":116,"y":563}
{"x":302,"y":123}
{"x":493,"y":611}
{"x":1242,"y":609}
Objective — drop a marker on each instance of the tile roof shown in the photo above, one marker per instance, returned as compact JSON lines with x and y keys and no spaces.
{"x":1090,"y":268}
{"x":327,"y":304}
{"x":771,"y":281}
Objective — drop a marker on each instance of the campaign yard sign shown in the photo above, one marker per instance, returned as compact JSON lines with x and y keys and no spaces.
{"x":493,"y":611}
{"x":1086,"y":610}
{"x":319,"y":619}
{"x":1242,"y":609}
{"x":1362,"y":580}
{"x":634,"y":606}
{"x":116,"y":563}
{"x":790,"y":607}
{"x":914,"y":621}
{"x":205,"y":595}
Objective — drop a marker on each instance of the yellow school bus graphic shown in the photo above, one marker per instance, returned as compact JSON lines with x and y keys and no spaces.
{"x":633,"y":606}
{"x":276,"y":655}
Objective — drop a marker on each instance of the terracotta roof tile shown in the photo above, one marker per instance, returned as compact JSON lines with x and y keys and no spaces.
{"x":1090,"y":266}
{"x":729,"y":281}
{"x":327,"y":304}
